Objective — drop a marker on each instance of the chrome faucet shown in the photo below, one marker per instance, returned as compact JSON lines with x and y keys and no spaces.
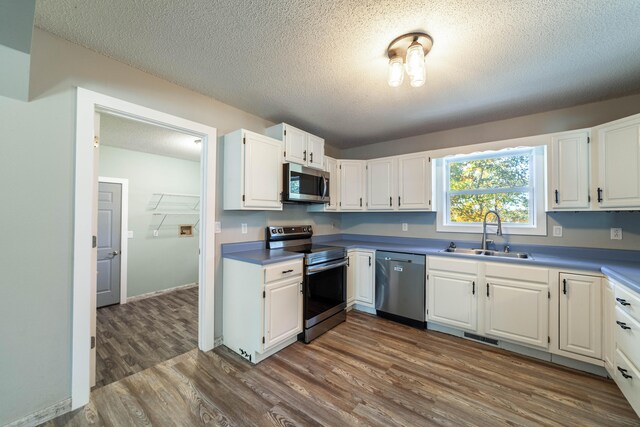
{"x":484,"y":227}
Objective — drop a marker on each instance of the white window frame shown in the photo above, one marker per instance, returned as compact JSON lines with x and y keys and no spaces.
{"x":537,"y":193}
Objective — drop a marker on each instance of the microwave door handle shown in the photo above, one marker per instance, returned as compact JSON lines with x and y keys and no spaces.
{"x":325,"y":187}
{"x":321,"y":186}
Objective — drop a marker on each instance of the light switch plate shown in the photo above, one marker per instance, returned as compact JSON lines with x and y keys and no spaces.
{"x":130,"y":234}
{"x":155,"y":233}
{"x":405,"y":226}
{"x":557,"y":231}
{"x":616,"y":234}
{"x":218,"y":227}
{"x":244,"y":228}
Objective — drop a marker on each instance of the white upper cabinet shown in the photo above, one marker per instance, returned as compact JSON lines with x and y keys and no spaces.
{"x":352,"y":185}
{"x":618,"y":163}
{"x":315,"y":149}
{"x":569,"y":171}
{"x":414,"y":182}
{"x":381,"y":183}
{"x":299,"y":146}
{"x":252,"y":171}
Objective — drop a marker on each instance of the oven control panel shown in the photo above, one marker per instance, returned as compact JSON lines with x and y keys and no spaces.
{"x":277,"y":232}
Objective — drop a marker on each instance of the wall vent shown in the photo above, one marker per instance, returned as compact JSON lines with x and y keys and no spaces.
{"x":481,"y":339}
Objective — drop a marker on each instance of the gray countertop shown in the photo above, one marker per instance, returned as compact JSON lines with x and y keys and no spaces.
{"x":622,"y":266}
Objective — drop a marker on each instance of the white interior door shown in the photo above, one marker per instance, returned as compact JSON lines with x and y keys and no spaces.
{"x":109,"y":243}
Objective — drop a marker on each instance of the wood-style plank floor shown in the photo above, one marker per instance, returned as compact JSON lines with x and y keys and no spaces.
{"x":136,"y":336}
{"x":367,"y":371}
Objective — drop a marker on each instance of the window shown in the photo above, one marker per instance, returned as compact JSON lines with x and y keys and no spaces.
{"x":510,"y":181}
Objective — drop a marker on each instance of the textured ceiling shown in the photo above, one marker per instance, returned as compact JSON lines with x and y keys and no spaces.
{"x":321,"y":65}
{"x":133,"y":135}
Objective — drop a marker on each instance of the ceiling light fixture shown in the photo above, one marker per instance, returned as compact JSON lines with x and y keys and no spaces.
{"x":408,"y":52}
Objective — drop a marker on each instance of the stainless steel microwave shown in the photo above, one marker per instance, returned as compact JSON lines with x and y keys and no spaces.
{"x":305,"y":185}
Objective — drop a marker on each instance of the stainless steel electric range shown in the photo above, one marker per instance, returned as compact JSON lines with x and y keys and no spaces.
{"x":325,"y":278}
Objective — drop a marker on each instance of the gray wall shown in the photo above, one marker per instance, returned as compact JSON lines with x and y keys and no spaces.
{"x":583,"y":229}
{"x":37,"y":143}
{"x":165,"y":261}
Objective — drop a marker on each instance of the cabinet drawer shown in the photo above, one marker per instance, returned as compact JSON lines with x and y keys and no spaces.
{"x":628,"y":336}
{"x":517,"y":272}
{"x":628,"y":301}
{"x":453,"y":265}
{"x":628,"y":379}
{"x":282,"y":271}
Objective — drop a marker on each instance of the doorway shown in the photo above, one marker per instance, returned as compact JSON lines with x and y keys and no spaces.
{"x":147,"y":246}
{"x":89,"y":106}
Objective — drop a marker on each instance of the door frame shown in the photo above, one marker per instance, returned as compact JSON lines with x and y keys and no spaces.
{"x":124,"y":230}
{"x":84,"y":255}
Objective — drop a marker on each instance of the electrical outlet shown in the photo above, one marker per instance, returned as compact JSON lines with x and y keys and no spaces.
{"x":244,"y":228}
{"x":405,"y":226}
{"x":218,"y":227}
{"x":616,"y":234}
{"x":130,"y":234}
{"x":557,"y":231}
{"x":155,"y":233}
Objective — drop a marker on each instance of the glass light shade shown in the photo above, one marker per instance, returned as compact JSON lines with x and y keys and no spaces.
{"x":419,"y":77}
{"x":396,"y":71}
{"x":415,"y":59}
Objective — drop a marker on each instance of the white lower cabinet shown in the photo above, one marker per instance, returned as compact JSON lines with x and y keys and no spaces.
{"x":452,"y":293}
{"x":261,"y":306}
{"x":351,"y":278}
{"x":581,"y":314}
{"x":627,"y":341}
{"x":360,"y":278}
{"x":517,"y":310}
{"x":608,"y":327}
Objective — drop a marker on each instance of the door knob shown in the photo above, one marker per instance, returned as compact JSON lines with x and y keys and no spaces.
{"x":114,"y":253}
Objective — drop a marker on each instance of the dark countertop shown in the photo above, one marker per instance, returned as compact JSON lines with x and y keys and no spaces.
{"x":621,"y":266}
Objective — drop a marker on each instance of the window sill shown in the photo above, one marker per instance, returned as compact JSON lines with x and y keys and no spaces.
{"x":491,"y":229}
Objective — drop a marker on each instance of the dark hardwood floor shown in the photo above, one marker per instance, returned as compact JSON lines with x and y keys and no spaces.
{"x":136,"y":336}
{"x":367,"y":371}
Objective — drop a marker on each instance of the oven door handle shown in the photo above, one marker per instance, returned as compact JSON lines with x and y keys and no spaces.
{"x":319,"y":269}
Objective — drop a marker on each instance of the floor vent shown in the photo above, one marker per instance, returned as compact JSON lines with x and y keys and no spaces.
{"x":479,"y":338}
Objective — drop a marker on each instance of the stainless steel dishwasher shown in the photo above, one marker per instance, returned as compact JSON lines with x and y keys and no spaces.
{"x":400,"y":287}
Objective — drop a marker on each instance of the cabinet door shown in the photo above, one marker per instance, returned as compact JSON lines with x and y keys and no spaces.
{"x":364,"y":277}
{"x":282,"y":311}
{"x":331,"y":166}
{"x":414,"y":182}
{"x":580,"y":315}
{"x":295,"y":145}
{"x":517,"y":311}
{"x":315,"y":151}
{"x":352,"y":185}
{"x":381,"y":182}
{"x":351,"y":278}
{"x":452,"y":300}
{"x":570,"y":171}
{"x":262,"y":172}
{"x":608,"y":325}
{"x":619,"y":163}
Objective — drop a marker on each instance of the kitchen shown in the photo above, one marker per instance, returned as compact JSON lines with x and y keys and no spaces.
{"x":31,"y":383}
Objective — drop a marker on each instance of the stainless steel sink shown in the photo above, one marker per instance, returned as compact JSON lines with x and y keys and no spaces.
{"x":480,"y":252}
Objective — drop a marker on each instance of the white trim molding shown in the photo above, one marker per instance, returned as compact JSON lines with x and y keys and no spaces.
{"x":43,"y":415}
{"x":124,"y":232}
{"x":161,"y":292}
{"x":84,"y":256}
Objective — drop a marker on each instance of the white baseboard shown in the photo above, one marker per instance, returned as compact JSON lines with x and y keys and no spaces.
{"x":364,"y":308}
{"x":43,"y":415}
{"x":218,"y":342}
{"x":158,"y":293}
